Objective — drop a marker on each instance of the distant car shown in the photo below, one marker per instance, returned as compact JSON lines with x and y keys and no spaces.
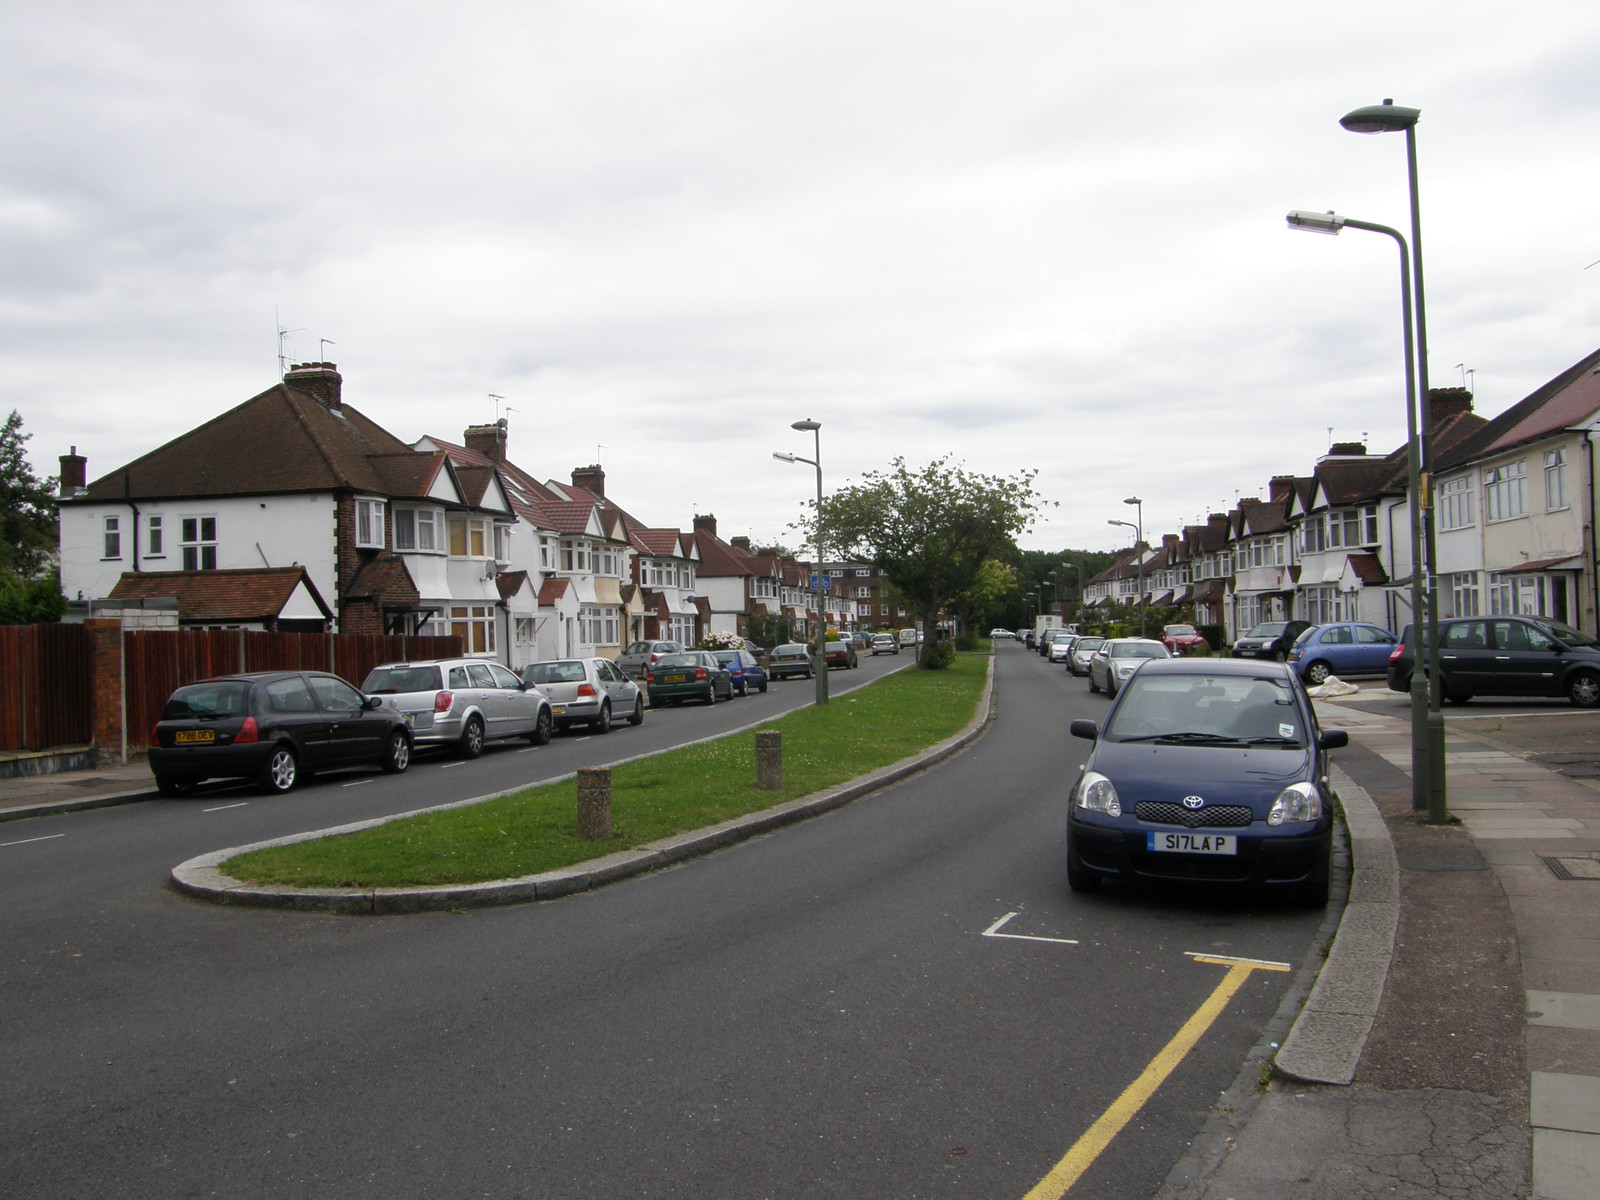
{"x":885,"y":643}
{"x":691,"y":675}
{"x":791,"y":658}
{"x":1082,"y":650}
{"x":1048,"y":637}
{"x":275,"y":727}
{"x":1182,"y":639}
{"x":748,"y":673}
{"x":587,"y":691}
{"x":859,"y":640}
{"x":1118,"y":658}
{"x":910,"y":637}
{"x":1506,"y":656}
{"x":997,"y":634}
{"x":840,"y":654}
{"x":1270,"y":639}
{"x":1061,"y":647}
{"x":462,"y":702}
{"x":636,"y":657}
{"x":1208,"y":773}
{"x":1344,"y":649}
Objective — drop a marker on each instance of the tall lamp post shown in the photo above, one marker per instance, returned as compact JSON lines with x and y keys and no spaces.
{"x":1077,"y":574}
{"x":1390,"y":117}
{"x":821,"y":631}
{"x":1138,"y":549}
{"x":1421,"y":760}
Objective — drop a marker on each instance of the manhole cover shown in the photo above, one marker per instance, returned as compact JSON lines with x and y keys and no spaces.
{"x":1586,"y":867}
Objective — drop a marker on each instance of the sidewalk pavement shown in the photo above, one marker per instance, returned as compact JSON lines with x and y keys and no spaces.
{"x":1450,"y":1044}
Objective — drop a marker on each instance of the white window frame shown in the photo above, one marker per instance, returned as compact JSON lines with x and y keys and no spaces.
{"x":1464,"y":594}
{"x":1454,"y":499}
{"x":197,"y":542}
{"x":155,"y":542}
{"x":369,"y":524}
{"x":111,"y":546}
{"x":1555,"y":480}
{"x":476,"y":539}
{"x":1505,"y":492}
{"x":474,"y":624}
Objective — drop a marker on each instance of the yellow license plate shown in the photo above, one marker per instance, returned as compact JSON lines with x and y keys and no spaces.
{"x":188,"y":736}
{"x":674,"y":678}
{"x":557,"y":709}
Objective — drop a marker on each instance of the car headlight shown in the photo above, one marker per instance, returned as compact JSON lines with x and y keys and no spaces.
{"x":1127,"y":668}
{"x":1096,"y":793}
{"x":1297,"y":802}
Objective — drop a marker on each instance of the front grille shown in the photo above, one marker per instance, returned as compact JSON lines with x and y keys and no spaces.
{"x":1222,"y":816}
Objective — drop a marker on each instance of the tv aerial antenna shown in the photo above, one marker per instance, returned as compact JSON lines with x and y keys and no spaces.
{"x":283,"y":338}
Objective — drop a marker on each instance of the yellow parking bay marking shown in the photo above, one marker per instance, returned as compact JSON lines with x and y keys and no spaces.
{"x":1070,"y":1169}
{"x":994,"y":932}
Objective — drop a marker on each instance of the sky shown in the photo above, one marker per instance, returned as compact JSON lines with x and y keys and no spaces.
{"x":1035,"y":236}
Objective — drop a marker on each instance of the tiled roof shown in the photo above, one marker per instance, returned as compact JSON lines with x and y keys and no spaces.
{"x":553,"y":589}
{"x":385,"y":579}
{"x":249,"y":594}
{"x":1368,"y":569}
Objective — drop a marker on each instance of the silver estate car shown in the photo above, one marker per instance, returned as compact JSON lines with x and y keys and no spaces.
{"x":462,"y":703}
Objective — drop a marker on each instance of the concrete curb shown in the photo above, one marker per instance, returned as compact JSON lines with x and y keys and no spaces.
{"x":201,"y":876}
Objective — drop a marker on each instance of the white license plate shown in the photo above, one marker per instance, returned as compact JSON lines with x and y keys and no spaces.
{"x":1194,"y":843}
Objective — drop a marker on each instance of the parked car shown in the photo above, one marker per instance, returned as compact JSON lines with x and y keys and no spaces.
{"x":587,"y":691}
{"x":748,"y":673}
{"x":859,"y":640}
{"x":275,"y":727}
{"x":840,"y":654}
{"x":1061,"y":647}
{"x":997,"y":634}
{"x":462,"y":703}
{"x":885,"y":643}
{"x":1343,"y":648}
{"x":1270,"y":639}
{"x":1082,"y":651}
{"x":1206,"y":772}
{"x":1118,"y":658}
{"x":637,"y":657}
{"x":1048,"y":637}
{"x":1183,"y":639}
{"x":910,"y":637}
{"x":791,"y":658}
{"x":1506,"y":656}
{"x":691,"y":675}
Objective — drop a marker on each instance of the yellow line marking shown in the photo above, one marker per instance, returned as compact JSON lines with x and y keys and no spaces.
{"x":1077,"y":1160}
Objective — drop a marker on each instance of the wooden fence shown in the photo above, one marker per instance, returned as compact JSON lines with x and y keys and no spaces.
{"x":46,"y":685}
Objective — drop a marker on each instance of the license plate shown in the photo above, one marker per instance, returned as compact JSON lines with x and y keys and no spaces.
{"x":557,"y":710}
{"x":411,"y":719}
{"x":189,"y":736}
{"x":674,"y":678}
{"x":1194,"y":843}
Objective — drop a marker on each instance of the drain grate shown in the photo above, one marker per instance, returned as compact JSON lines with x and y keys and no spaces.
{"x":1585,"y":867}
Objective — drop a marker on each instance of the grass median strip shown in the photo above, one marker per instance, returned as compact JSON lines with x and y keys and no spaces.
{"x":652,"y":798}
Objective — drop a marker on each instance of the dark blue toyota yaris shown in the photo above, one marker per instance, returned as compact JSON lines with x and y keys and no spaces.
{"x":1206,"y":771}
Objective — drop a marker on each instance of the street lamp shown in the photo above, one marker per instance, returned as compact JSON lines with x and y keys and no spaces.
{"x":1138,"y":550}
{"x":1078,"y":573}
{"x":1390,"y":117}
{"x":1137,"y":538}
{"x":1421,"y":762}
{"x":821,"y":632}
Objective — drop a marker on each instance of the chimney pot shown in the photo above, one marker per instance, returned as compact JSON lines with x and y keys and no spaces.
{"x":74,"y":476}
{"x":320,"y":381}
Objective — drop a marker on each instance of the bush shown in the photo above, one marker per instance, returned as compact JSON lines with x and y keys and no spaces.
{"x":936,"y":656}
{"x":967,"y":642}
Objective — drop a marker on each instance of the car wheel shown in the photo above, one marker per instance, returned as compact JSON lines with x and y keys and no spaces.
{"x":763,"y":688}
{"x":1093,"y":686}
{"x":602,"y":723}
{"x":470,"y":743}
{"x":168,"y":786}
{"x":281,"y":771}
{"x":1456,"y":697}
{"x":711,"y":693}
{"x":1318,"y":672}
{"x":542,"y":729}
{"x":638,"y":712}
{"x":1583,"y":689}
{"x":396,"y":753}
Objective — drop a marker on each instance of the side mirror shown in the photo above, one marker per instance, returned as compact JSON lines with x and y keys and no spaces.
{"x":1333,"y":739}
{"x":1084,"y":728}
{"x":372,"y":702}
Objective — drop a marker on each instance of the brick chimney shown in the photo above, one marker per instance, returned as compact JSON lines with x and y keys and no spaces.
{"x":1444,"y":403}
{"x":74,"y":474}
{"x":489,"y":440}
{"x":320,"y":381}
{"x":590,"y":477}
{"x":706,"y":524}
{"x":1279,"y":488}
{"x":1347,"y":450}
{"x":741,"y":542}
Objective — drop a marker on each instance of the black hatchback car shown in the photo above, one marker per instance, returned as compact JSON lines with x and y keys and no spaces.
{"x":275,"y":728}
{"x":1506,"y":656}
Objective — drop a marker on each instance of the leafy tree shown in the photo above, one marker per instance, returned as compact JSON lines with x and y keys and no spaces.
{"x":27,"y":507}
{"x":929,"y":532}
{"x":31,"y":601}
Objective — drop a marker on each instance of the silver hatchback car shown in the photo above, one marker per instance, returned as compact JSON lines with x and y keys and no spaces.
{"x":462,"y":703}
{"x":587,"y":691}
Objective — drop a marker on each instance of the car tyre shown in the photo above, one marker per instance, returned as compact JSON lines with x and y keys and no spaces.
{"x":602,"y":723}
{"x":470,"y":743}
{"x":168,"y":786}
{"x":396,"y":753}
{"x":543,"y":727}
{"x":1318,"y":672}
{"x":711,"y":693}
{"x":281,"y":772}
{"x":1093,"y":686}
{"x":1583,"y":689}
{"x":638,"y":712}
{"x":1456,"y":697}
{"x":763,"y":688}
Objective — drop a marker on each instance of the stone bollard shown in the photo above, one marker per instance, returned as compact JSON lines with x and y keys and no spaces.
{"x":594,"y":803}
{"x":769,"y":760}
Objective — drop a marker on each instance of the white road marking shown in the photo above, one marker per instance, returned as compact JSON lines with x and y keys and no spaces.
{"x":1227,"y":959}
{"x":25,"y":841}
{"x":994,"y":932}
{"x":225,"y":807}
{"x":356,"y":783}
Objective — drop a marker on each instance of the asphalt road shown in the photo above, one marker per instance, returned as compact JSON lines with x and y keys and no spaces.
{"x":828,"y":1011}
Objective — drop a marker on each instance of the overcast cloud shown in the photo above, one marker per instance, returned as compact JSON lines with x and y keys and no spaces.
{"x":1042,"y":235}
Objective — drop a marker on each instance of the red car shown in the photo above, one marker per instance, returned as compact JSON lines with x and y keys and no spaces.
{"x":1181,"y":639}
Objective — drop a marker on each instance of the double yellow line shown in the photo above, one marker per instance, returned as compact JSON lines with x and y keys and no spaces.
{"x":1077,"y":1160}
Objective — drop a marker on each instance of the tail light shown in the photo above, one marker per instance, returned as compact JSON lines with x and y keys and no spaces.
{"x":155,"y":739}
{"x":442,"y":701}
{"x":1399,"y":649}
{"x":649,"y":676}
{"x":587,"y":689}
{"x":247,"y":732}
{"x":699,"y":674}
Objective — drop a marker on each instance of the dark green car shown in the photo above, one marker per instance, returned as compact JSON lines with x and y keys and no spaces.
{"x":690,"y":675}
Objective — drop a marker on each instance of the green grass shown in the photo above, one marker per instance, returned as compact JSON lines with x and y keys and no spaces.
{"x":674,"y":792}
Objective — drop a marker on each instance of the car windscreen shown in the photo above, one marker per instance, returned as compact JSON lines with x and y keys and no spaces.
{"x":1138,"y":650}
{"x":1569,"y":635}
{"x":389,"y":681}
{"x":1181,"y":631}
{"x":677,"y":660}
{"x":203,"y":701}
{"x":1268,"y":629}
{"x":554,"y":672}
{"x":1208,"y":710}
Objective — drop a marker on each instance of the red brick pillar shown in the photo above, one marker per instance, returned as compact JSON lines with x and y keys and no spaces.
{"x":105,"y":638}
